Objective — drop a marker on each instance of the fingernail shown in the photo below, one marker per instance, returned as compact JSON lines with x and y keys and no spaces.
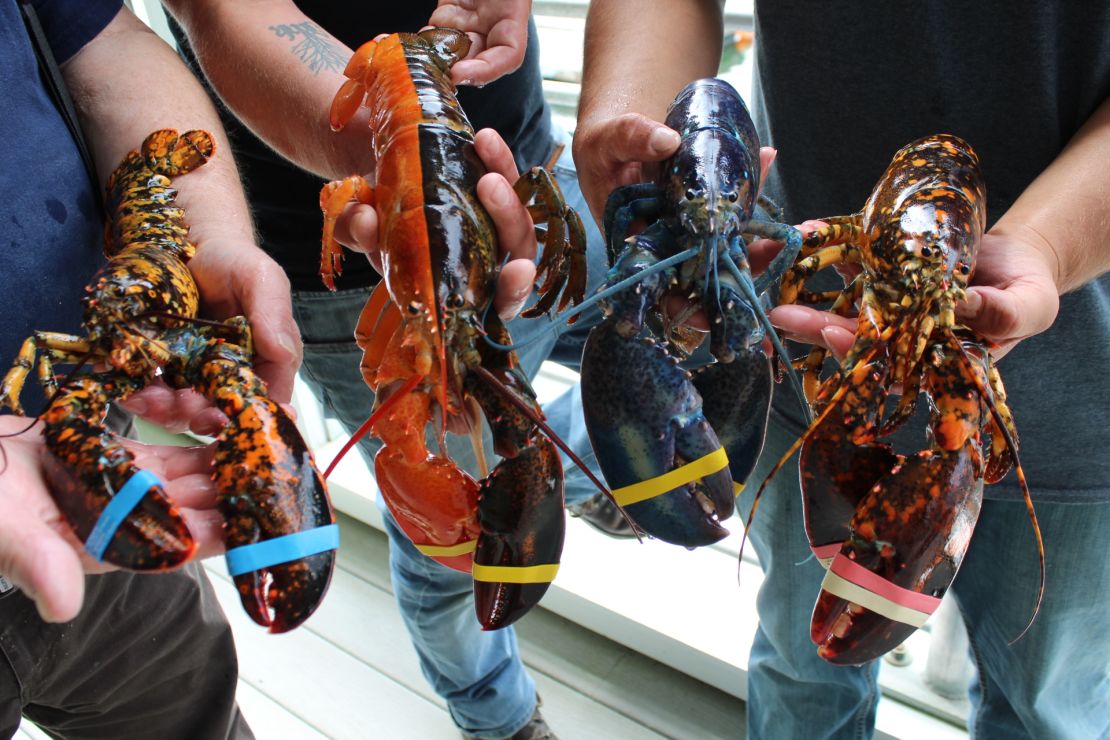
{"x":138,"y":407}
{"x":503,"y":195}
{"x":971,"y":306}
{"x":663,"y":140}
{"x":287,"y":343}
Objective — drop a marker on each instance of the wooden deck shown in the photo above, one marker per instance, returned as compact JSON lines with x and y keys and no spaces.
{"x":351,"y":672}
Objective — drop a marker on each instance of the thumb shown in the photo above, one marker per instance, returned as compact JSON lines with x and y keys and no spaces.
{"x":1020,"y":310}
{"x":36,"y":558}
{"x":636,"y":138}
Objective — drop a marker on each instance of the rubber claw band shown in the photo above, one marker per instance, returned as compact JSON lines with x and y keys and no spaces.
{"x":659,"y":485}
{"x":119,"y":506}
{"x":515,"y":574}
{"x":848,"y":580}
{"x":268,"y":553}
{"x":447,"y":551}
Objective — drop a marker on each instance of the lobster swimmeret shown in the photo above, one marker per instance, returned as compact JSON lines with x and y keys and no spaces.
{"x":892,"y":529}
{"x":423,"y":329}
{"x":672,"y":462}
{"x":141,"y":318}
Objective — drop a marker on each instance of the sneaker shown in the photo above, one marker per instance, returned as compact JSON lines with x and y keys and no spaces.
{"x":603,"y":515}
{"x":536,"y":729}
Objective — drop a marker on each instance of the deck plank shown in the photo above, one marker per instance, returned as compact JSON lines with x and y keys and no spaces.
{"x":332,"y":691}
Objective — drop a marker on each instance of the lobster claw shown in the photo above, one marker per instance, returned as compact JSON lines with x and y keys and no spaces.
{"x":152,"y":537}
{"x":737,"y":402}
{"x":644,"y":417}
{"x":520,"y":509}
{"x":908,"y":538}
{"x":279,"y":526}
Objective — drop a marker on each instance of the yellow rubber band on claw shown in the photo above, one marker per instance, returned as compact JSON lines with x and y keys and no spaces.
{"x":513,"y":574}
{"x":659,"y":485}
{"x":447,"y":551}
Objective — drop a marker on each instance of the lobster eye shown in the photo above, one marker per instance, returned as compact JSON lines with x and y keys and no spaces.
{"x":926,"y":252}
{"x":690,"y":194}
{"x":732,"y":196}
{"x":965,"y":269}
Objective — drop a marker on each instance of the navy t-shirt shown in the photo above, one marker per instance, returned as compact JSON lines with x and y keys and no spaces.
{"x":841,"y":86}
{"x":285,"y":199}
{"x":50,"y":220}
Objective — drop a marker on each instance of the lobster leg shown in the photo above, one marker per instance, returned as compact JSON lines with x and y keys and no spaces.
{"x":563,"y":265}
{"x":279,"y":527}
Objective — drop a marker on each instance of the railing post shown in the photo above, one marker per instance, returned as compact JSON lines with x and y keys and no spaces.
{"x":948,"y":667}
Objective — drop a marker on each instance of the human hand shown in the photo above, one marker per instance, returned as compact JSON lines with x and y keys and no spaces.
{"x":613,"y":152}
{"x":357,"y":227}
{"x":1012,"y":296}
{"x":234,"y":279}
{"x":38,"y":550}
{"x":1013,"y":293}
{"x":498,"y":31}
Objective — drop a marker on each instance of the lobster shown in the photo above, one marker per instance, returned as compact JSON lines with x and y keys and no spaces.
{"x":429,"y":336}
{"x":140,"y":322}
{"x":677,"y":446}
{"x":891,"y":528}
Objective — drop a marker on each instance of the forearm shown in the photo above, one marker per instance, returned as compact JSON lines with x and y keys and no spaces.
{"x":1065,"y":212}
{"x":127,"y":83}
{"x":640,"y":53}
{"x":248,"y":49}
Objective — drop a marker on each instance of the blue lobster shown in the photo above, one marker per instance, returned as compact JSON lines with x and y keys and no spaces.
{"x":676,"y":446}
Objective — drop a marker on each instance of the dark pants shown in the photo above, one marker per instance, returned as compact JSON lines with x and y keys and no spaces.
{"x":148,"y":656}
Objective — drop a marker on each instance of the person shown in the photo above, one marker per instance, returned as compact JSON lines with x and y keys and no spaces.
{"x":837,"y":91}
{"x":88,"y":653}
{"x":276,"y":67}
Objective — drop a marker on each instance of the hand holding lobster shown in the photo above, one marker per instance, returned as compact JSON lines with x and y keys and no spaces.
{"x":1011,"y":297}
{"x":38,"y":550}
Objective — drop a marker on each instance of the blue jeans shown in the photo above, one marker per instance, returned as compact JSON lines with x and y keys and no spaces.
{"x":479,"y":674}
{"x":1052,"y":683}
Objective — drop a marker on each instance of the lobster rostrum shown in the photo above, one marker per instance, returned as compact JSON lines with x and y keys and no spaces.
{"x":424,"y":331}
{"x":672,"y":443}
{"x":892,"y":529}
{"x":140,"y":321}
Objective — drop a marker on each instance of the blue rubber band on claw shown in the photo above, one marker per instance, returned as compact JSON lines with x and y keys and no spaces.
{"x":119,"y":506}
{"x":267,"y":553}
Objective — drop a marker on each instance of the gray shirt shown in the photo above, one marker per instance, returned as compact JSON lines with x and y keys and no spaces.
{"x":841,"y":86}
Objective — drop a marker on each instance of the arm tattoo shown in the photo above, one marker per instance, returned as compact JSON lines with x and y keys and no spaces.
{"x":316,"y":49}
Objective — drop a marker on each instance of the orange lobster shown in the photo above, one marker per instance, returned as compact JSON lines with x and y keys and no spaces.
{"x":422,"y":331}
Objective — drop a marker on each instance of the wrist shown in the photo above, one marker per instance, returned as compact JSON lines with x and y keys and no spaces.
{"x":1036,"y":244}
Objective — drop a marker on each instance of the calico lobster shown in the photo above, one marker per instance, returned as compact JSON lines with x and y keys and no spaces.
{"x":424,"y":329}
{"x":890,"y":528}
{"x":140,"y":321}
{"x":672,"y":443}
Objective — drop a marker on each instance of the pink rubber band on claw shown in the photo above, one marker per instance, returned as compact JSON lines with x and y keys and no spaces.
{"x":853,"y":572}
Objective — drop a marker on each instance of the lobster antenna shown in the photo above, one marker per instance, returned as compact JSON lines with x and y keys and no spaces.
{"x":749,"y":293}
{"x":840,"y":393}
{"x":596,"y":297}
{"x":375,"y":417}
{"x":538,"y":420}
{"x":1019,"y":471}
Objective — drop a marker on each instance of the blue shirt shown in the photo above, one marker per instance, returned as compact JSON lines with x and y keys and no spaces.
{"x":50,"y":224}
